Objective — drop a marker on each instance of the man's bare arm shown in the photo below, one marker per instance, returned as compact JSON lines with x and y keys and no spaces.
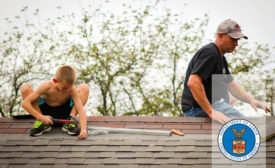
{"x":196,"y":86}
{"x":237,"y":91}
{"x":34,"y":96}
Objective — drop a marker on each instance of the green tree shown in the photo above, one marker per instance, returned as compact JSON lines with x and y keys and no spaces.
{"x":134,"y":60}
{"x":22,"y":60}
{"x":253,"y":67}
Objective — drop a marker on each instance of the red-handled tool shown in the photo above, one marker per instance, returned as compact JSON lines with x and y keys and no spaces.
{"x":62,"y":121}
{"x":177,"y":132}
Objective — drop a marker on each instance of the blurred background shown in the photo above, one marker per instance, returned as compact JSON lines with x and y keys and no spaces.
{"x":133,"y":54}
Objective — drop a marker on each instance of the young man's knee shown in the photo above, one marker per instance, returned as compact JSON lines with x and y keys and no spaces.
{"x":26,"y":89}
{"x":84,"y":88}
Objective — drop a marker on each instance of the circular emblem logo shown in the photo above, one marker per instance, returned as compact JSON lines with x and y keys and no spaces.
{"x":239,"y":140}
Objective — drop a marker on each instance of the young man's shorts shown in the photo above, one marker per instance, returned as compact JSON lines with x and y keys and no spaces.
{"x":60,"y":112}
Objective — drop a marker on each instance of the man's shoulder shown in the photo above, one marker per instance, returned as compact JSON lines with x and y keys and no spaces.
{"x":210,"y":48}
{"x":208,"y":51}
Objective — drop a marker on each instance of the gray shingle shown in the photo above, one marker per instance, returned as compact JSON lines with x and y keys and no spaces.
{"x":110,"y":161}
{"x":93,"y":154}
{"x":106,"y":148}
{"x":106,"y":154}
{"x":60,"y":161}
{"x":46,"y":148}
{"x":65,"y":148}
{"x":143,"y":160}
{"x":184,"y":148}
{"x":203,"y":143}
{"x":169,"y":148}
{"x":81,"y":166}
{"x":55,"y":142}
{"x":168,"y":161}
{"x":271,"y":148}
{"x":92,"y":142}
{"x":47,"y":154}
{"x":79,"y":148}
{"x":46,"y":166}
{"x":9,"y":148}
{"x":41,"y":142}
{"x":93,"y":161}
{"x":181,"y":154}
{"x":139,"y":148}
{"x":47,"y":161}
{"x":143,"y":154}
{"x":124,"y":155}
{"x":14,"y":154}
{"x":3,"y":142}
{"x":19,"y":160}
{"x":127,"y":155}
{"x":30,"y":165}
{"x":270,"y":154}
{"x":148,"y":142}
{"x":24,"y":148}
{"x":76,"y":161}
{"x":4,"y":161}
{"x":15,"y":166}
{"x":61,"y":166}
{"x":31,"y":155}
{"x":164,"y":155}
{"x":128,"y":166}
{"x":99,"y":148}
{"x":70,"y":154}
{"x":14,"y":142}
{"x":154,"y":148}
{"x":125,"y":148}
{"x":69,"y":142}
{"x":3,"y":154}
{"x":125,"y":160}
{"x":199,"y":155}
{"x":34,"y":160}
{"x":4,"y":165}
{"x":205,"y":149}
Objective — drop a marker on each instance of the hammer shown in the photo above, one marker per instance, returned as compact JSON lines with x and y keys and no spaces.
{"x":63,"y":121}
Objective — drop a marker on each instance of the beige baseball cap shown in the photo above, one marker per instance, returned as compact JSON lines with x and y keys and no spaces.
{"x":231,"y":28}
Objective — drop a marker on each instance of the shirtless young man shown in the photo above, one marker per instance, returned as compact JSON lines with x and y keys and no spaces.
{"x":57,"y":98}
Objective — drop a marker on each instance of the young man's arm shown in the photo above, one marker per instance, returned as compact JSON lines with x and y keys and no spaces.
{"x":81,"y":112}
{"x":196,"y":86}
{"x":237,"y":91}
{"x":34,"y":96}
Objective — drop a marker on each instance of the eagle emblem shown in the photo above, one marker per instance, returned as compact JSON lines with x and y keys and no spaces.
{"x":238,"y":134}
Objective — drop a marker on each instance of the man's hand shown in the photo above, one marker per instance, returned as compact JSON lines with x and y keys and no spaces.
{"x":256,"y":104}
{"x":218,"y":116}
{"x":83,"y":134}
{"x":47,"y":120}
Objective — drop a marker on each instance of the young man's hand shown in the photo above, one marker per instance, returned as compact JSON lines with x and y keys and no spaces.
{"x":83,"y":134}
{"x":218,"y":116}
{"x":47,"y":120}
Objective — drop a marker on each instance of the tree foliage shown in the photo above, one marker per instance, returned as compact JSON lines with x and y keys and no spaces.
{"x":134,"y":60}
{"x":23,"y":59}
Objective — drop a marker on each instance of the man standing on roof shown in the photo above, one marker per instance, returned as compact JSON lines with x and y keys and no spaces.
{"x":197,"y":100}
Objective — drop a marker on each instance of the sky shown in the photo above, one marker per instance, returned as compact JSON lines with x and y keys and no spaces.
{"x":256,"y":17}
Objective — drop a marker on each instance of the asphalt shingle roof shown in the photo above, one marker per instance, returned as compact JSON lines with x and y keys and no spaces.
{"x":197,"y":148}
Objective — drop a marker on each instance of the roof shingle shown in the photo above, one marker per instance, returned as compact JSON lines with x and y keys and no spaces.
{"x":197,"y":148}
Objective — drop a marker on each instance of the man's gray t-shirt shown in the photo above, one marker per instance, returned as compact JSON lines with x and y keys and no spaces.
{"x":206,"y":62}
